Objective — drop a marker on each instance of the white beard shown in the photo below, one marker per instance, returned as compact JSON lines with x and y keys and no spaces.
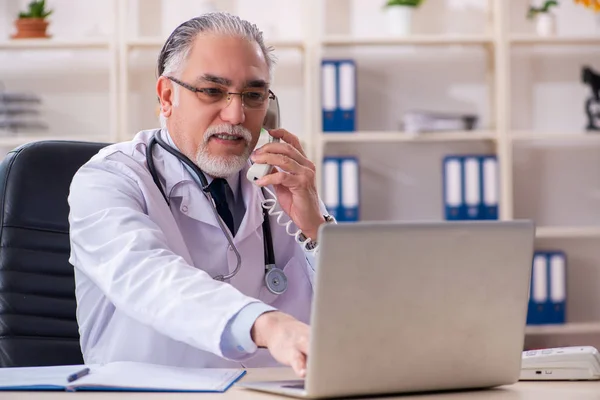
{"x":219,"y":166}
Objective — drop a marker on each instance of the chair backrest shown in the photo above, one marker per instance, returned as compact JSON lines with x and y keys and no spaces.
{"x":38,"y":325}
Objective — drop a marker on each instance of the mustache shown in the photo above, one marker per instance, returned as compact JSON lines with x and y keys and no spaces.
{"x":234,"y":130}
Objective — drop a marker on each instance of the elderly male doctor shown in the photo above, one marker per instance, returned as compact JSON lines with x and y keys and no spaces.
{"x":145,"y":264}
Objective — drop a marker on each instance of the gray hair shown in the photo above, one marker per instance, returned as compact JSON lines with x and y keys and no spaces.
{"x":177,"y":47}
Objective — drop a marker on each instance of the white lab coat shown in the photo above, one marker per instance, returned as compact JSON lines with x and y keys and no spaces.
{"x":143,"y":270}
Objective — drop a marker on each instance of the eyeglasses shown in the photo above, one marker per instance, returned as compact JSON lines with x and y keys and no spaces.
{"x":255,"y":99}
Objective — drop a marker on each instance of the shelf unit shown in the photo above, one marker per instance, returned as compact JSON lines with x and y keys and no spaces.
{"x":497,"y":41}
{"x":416,"y":40}
{"x":74,"y":46}
{"x":574,"y":328}
{"x":382,"y":136}
{"x":56,"y":44}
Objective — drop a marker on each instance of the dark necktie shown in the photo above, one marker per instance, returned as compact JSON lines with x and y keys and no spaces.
{"x":217,"y":190}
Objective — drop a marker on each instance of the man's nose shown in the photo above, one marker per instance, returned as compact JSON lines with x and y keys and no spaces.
{"x":233,"y":113}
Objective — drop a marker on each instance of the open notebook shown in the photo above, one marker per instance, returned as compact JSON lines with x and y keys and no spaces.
{"x":119,"y":376}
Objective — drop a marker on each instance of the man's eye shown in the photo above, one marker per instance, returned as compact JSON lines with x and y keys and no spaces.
{"x":254,"y":95}
{"x":212,"y":92}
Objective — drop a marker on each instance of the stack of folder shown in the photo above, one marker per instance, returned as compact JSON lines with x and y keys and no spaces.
{"x":470,"y":187}
{"x":341,"y":187}
{"x":548,"y":290}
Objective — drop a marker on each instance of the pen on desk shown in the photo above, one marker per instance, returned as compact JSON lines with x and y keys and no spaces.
{"x":79,"y":374}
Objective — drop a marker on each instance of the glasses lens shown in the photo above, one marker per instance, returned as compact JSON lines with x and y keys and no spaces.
{"x":211,"y":95}
{"x":255,"y":99}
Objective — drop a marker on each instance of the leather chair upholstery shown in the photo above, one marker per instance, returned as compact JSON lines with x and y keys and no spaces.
{"x":37,"y":288}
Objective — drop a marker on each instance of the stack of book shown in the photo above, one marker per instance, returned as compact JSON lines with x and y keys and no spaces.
{"x":20,"y":112}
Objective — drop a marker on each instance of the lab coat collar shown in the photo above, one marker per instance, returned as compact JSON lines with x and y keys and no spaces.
{"x":180,"y":183}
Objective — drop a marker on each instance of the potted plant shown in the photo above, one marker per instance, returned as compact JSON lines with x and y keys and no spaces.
{"x":399,"y":15}
{"x":545,"y":21}
{"x":32,"y":23}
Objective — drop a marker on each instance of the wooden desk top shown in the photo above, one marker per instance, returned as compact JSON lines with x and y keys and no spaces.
{"x":584,"y":390}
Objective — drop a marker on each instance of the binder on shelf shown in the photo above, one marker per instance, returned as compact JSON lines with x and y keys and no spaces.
{"x":470,"y":187}
{"x":331,"y":186}
{"x":350,"y":188}
{"x":338,"y":95}
{"x":489,"y":187}
{"x":341,"y":189}
{"x":453,"y":188}
{"x":473,"y":187}
{"x":548,"y":289}
{"x":538,"y":292}
{"x":557,"y":266}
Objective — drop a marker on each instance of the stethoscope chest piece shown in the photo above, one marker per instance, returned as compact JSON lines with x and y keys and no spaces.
{"x":276,"y":280}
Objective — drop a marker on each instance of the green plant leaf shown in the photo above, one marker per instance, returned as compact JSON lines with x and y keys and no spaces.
{"x":409,"y":3}
{"x":533,"y":11}
{"x":36,"y":9}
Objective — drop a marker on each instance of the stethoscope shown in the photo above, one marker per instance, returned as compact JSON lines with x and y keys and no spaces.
{"x":275,"y":278}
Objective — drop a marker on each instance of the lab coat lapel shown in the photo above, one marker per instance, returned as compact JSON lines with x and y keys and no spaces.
{"x":194,"y":203}
{"x":253,"y":216}
{"x":179,"y":183}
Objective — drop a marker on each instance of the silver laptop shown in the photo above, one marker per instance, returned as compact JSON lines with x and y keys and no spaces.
{"x":413,"y":307}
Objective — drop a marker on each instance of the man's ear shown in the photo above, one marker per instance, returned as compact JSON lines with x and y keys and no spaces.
{"x":164,"y":90}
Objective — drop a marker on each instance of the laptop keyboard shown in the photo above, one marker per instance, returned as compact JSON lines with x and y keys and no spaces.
{"x":295,"y":386}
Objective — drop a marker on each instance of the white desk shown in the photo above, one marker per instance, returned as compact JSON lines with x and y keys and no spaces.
{"x":521,"y":391}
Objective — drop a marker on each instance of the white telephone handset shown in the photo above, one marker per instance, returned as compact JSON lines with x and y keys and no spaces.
{"x":257,"y":171}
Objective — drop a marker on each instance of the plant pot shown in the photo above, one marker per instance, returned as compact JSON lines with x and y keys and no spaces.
{"x":399,"y":20}
{"x":545,"y":24}
{"x":28,"y":28}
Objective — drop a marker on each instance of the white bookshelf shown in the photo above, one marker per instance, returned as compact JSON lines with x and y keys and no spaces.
{"x":567,"y":232}
{"x":55,"y":44}
{"x":391,"y":136}
{"x":17,"y":140}
{"x":526,"y":154}
{"x":573,"y":328}
{"x":552,"y":40}
{"x":156,"y":43}
{"x":416,"y":40}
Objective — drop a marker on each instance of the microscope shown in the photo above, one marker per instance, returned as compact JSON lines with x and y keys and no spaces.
{"x":592,"y":104}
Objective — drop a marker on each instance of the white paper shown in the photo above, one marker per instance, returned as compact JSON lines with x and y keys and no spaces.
{"x":23,"y":377}
{"x":133,"y":375}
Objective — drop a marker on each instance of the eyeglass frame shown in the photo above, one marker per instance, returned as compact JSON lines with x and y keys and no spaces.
{"x":271,"y":95}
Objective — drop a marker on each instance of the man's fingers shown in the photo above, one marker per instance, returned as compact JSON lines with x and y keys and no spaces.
{"x":279,"y":160}
{"x":288,"y":150}
{"x":298,"y":363}
{"x":303,"y":344}
{"x":288,"y":138}
{"x":278,"y":178}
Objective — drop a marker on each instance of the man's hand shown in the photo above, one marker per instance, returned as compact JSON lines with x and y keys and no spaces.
{"x":294,"y":182}
{"x":285,"y":337}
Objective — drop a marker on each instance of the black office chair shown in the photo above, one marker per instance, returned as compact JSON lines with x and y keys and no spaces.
{"x":37,"y":288}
